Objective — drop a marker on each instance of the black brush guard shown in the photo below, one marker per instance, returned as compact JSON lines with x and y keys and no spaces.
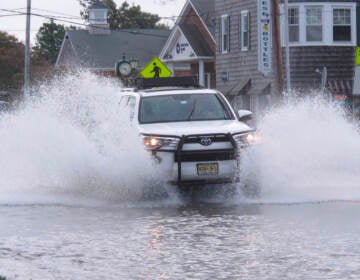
{"x":221,"y":154}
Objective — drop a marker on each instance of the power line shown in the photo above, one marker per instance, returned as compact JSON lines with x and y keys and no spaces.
{"x":80,"y":18}
{"x":86,"y":25}
{"x":59,"y":13}
{"x":66,"y":20}
{"x":12,"y":15}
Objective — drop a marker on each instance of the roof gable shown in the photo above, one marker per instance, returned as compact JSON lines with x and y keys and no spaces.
{"x":185,"y":43}
{"x":98,"y":5}
{"x":204,"y":9}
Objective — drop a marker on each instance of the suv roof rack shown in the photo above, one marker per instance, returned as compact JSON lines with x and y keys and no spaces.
{"x":188,"y":81}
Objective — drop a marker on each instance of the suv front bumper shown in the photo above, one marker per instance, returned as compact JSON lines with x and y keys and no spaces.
{"x":195,"y":163}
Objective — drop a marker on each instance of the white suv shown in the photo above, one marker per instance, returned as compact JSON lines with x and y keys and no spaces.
{"x":192,"y":133}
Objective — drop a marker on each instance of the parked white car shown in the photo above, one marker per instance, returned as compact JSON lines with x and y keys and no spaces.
{"x":192,"y":133}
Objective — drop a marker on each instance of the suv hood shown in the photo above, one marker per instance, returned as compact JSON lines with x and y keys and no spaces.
{"x":194,"y":127}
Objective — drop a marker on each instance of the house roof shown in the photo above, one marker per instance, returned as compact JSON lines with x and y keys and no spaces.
{"x":103,"y":51}
{"x":196,"y":40}
{"x":206,"y":10}
{"x":98,"y":5}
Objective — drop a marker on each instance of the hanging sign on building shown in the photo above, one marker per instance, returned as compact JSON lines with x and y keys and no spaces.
{"x":265,"y":35}
{"x":182,"y":48}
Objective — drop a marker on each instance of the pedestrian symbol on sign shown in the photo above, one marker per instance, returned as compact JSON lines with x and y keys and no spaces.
{"x":155,"y":69}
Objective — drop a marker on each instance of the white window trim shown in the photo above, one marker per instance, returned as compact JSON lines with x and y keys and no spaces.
{"x":223,"y":19}
{"x":244,"y":13}
{"x":352,"y":23}
{"x":323,"y":10}
{"x":298,"y":24}
{"x":327,"y":21}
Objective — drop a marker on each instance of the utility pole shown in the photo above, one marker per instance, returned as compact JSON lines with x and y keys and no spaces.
{"x":27,"y":50}
{"x":287,"y":51}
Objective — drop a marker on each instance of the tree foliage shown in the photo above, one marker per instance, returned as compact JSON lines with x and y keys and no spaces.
{"x":125,"y":16}
{"x":12,"y":53}
{"x":48,"y":41}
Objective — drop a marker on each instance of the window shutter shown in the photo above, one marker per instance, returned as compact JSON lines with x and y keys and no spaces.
{"x":229,"y":34}
{"x":219,"y":41}
{"x":239,"y":31}
{"x":249,"y":31}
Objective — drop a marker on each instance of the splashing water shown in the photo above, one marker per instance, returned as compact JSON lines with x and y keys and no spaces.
{"x":72,"y":139}
{"x":310,"y":152}
{"x":71,"y":143}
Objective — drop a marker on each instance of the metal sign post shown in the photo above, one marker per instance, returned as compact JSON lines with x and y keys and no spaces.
{"x":27,"y":50}
{"x":287,"y":51}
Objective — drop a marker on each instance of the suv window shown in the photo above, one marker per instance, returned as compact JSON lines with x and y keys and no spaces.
{"x":183,"y":107}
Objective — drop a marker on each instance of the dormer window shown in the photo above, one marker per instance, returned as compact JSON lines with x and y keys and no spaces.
{"x":98,"y":16}
{"x":98,"y":13}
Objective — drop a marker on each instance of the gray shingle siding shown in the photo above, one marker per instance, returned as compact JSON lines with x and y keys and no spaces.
{"x":304,"y":61}
{"x":241,"y":65}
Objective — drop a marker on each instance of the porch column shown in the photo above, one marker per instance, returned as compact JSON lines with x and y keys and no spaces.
{"x":201,"y":73}
{"x":170,"y":65}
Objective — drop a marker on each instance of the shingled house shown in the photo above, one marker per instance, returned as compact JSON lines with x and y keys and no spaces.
{"x":190,"y":49}
{"x":250,"y":61}
{"x":98,"y":48}
{"x":322,"y":37}
{"x":247,"y":51}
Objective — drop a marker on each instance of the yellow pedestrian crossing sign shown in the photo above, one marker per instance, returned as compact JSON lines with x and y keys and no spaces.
{"x":155,"y":69}
{"x":357,"y":56}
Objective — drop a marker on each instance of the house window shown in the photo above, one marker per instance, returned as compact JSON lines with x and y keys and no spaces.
{"x":342,"y":25}
{"x":293,"y":20}
{"x":245,"y":31}
{"x":314,"y":24}
{"x":225,"y":34}
{"x":320,"y":23}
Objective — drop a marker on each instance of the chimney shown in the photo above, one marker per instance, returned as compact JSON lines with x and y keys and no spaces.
{"x":98,"y":24}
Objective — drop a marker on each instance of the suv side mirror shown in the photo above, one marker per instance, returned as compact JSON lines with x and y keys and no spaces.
{"x":244,"y":115}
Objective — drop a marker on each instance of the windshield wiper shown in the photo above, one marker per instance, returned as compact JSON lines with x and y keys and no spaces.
{"x":192,"y":111}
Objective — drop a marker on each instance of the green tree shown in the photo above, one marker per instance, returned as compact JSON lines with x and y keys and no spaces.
{"x":125,"y":16}
{"x":48,"y":40}
{"x":11,"y":61}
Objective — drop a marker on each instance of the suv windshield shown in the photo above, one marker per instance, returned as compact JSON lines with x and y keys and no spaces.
{"x":183,"y":107}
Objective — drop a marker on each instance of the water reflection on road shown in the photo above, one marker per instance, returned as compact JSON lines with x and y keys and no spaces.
{"x":192,"y":241}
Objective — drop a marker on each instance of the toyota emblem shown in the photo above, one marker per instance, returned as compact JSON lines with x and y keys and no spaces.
{"x":205,"y":141}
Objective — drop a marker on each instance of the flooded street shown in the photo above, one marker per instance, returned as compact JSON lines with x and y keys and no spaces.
{"x":194,"y":241}
{"x":80,"y":198}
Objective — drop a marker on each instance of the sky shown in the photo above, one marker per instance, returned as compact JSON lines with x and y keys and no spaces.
{"x":69,"y":10}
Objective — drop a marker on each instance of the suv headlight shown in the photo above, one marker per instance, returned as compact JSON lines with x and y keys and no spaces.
{"x":160,"y":143}
{"x":246,"y":139}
